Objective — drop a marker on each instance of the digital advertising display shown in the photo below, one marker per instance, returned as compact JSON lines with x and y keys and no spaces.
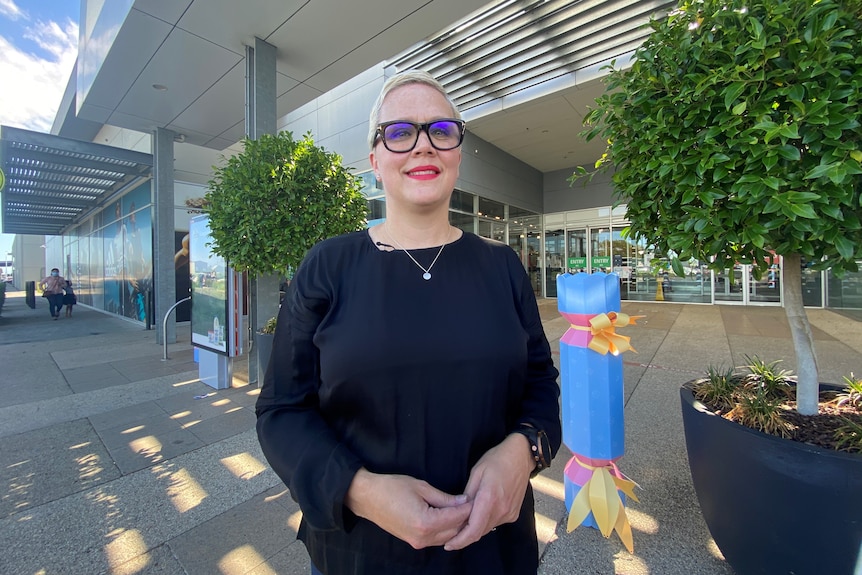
{"x":208,"y":275}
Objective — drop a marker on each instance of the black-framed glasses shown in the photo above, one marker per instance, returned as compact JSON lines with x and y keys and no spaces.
{"x":400,"y":136}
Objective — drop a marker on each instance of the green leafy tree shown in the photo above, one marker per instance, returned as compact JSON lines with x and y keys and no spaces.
{"x":735,"y":134}
{"x":270,"y":203}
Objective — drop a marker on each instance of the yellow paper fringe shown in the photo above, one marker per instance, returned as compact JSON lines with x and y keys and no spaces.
{"x":599,"y":496}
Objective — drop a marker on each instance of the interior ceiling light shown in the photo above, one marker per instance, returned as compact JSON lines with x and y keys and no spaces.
{"x":160,"y":87}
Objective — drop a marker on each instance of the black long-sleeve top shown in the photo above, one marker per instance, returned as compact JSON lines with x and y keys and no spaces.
{"x":374,"y":366}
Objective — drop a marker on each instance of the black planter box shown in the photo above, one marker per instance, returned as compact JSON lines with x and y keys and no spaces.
{"x":774,"y":506}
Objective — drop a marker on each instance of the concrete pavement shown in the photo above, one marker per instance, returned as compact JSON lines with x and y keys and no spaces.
{"x":115,"y":461}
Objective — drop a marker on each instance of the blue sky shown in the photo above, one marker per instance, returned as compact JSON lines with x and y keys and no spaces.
{"x":38,"y":46}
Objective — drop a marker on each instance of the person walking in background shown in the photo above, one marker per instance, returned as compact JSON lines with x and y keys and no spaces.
{"x":69,"y":299}
{"x":411,"y":392}
{"x":53,"y":289}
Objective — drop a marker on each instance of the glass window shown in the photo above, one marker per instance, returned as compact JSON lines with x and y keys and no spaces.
{"x":462,"y":202}
{"x":845,"y":292}
{"x":376,"y":209}
{"x":463,"y":221}
{"x":517,"y":213}
{"x":491,"y":209}
{"x":370,"y":186}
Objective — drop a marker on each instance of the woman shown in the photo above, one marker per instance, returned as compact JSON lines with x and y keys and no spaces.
{"x":411,"y":391}
{"x":53,"y":289}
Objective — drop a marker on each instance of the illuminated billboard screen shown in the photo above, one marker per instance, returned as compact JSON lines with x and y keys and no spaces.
{"x":208,"y":274}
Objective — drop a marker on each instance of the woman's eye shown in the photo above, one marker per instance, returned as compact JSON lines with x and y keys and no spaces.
{"x":399,"y":132}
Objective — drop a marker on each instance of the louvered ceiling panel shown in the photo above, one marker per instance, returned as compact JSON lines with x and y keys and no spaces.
{"x":53,"y":182}
{"x":522,"y":43}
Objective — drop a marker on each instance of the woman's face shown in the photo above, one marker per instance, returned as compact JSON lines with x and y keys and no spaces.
{"x":424,"y":177}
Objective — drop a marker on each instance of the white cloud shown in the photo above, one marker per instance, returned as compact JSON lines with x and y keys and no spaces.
{"x":9,"y":9}
{"x":32,"y":85}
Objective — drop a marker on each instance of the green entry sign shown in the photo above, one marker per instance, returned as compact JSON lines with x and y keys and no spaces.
{"x":601,"y":261}
{"x":578,"y":262}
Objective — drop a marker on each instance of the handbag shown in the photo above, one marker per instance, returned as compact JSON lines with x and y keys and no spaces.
{"x":44,"y":293}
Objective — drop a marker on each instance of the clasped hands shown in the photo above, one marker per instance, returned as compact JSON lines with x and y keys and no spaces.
{"x":423,"y":516}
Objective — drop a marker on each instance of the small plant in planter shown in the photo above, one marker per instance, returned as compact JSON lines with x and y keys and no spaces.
{"x":763,"y":397}
{"x":269,"y":326}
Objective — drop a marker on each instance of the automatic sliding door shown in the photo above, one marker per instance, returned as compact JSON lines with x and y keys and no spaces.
{"x":555,"y":246}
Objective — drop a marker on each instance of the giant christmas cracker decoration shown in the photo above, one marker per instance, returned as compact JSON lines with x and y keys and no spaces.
{"x":591,"y":380}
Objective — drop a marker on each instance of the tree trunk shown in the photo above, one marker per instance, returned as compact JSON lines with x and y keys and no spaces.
{"x":808,"y":384}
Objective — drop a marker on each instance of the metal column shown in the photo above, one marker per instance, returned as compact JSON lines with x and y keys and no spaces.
{"x":260,"y":119}
{"x":164,"y":274}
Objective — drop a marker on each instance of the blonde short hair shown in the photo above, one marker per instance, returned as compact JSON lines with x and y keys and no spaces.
{"x":403,"y":79}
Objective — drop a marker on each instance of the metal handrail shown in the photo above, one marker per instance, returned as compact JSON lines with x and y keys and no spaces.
{"x":165,"y":326}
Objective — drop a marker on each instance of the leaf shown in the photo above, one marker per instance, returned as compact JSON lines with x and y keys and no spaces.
{"x":732,"y":92}
{"x":803,"y":211}
{"x":846,"y":248}
{"x":789,"y":152}
{"x":819,"y":171}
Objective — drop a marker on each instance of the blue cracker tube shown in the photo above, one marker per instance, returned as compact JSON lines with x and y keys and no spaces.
{"x":591,"y":381}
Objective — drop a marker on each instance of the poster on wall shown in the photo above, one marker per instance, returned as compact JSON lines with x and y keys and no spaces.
{"x":208,"y":274}
{"x":112,"y":246}
{"x":137,"y":273}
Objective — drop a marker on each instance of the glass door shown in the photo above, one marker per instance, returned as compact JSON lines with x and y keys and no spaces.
{"x":739,"y":286}
{"x":525,"y":239}
{"x":600,"y":250}
{"x":555,"y":246}
{"x":576,"y":260}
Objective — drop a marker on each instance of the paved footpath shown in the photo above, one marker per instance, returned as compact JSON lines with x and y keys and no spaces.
{"x":114,"y":461}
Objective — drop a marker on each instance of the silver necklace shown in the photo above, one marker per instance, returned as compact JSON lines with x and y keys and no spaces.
{"x":427,"y":275}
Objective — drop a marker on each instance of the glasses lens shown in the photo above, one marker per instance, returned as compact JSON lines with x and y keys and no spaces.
{"x":400,"y":137}
{"x":445,"y":134}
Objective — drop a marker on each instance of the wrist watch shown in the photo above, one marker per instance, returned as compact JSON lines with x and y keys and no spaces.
{"x":540,"y":447}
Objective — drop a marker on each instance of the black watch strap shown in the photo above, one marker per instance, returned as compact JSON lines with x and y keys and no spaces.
{"x":540,"y":447}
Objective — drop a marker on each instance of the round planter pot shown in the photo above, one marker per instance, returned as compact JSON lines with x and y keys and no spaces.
{"x":774,"y":506}
{"x":263,"y":341}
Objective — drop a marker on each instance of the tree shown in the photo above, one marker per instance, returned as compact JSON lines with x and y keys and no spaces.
{"x":735,"y":133}
{"x":270,"y":203}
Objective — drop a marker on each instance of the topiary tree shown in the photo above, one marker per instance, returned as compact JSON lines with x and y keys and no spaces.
{"x":269,"y":204}
{"x":735,"y":133}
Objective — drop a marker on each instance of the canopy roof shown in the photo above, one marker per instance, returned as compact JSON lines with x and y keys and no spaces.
{"x":53,"y":183}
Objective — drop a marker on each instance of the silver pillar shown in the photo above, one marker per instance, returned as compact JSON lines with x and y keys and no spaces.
{"x":164,"y":274}
{"x":260,"y":119}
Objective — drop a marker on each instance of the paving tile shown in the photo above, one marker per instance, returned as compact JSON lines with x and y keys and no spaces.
{"x":292,"y":560}
{"x":129,"y":433}
{"x":221,"y":427}
{"x":240,"y":539}
{"x":50,"y":463}
{"x":91,"y":372}
{"x":158,"y":561}
{"x":153,"y":449}
{"x":96,"y":384}
{"x":126,"y":415}
{"x":245,"y":395}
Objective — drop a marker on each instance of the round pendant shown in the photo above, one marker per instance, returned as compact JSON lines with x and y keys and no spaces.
{"x":426,"y":276}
